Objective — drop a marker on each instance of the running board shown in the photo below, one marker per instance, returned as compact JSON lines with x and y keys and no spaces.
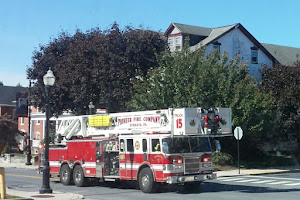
{"x":111,"y":178}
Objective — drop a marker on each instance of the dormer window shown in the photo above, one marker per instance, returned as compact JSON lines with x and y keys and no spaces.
{"x":254,"y":55}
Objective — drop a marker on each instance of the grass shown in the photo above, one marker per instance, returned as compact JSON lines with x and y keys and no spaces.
{"x":12,"y":197}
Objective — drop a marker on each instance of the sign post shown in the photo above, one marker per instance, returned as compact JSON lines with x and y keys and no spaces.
{"x":238,"y":134}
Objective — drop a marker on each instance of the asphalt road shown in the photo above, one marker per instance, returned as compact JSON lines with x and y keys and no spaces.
{"x":267,"y":187}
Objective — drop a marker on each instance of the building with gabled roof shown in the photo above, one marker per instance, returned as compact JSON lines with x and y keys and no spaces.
{"x":8,"y":99}
{"x":235,"y":40}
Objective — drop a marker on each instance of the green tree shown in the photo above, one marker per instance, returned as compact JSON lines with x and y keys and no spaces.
{"x":95,"y":66}
{"x":194,"y":79}
{"x":1,"y":83}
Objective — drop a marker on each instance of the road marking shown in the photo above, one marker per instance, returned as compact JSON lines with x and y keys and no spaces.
{"x":247,"y":180}
{"x":26,"y":176}
{"x":292,"y":184}
{"x":230,"y":179}
{"x":277,"y":178}
{"x":265,"y":181}
{"x":279,"y":182}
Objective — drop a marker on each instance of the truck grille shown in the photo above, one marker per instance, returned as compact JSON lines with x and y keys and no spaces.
{"x":192,"y":165}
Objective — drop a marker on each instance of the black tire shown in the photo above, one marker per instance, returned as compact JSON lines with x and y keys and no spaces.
{"x":78,"y":176}
{"x":146,"y":181}
{"x":65,"y":175}
{"x":192,"y":187}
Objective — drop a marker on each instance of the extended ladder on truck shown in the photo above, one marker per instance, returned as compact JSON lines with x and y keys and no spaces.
{"x":184,"y":121}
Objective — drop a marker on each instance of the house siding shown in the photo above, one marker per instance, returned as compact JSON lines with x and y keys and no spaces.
{"x":235,"y":43}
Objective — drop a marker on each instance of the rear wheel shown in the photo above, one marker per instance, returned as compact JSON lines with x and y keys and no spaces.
{"x":78,"y":176}
{"x":146,"y":181}
{"x":65,"y":175}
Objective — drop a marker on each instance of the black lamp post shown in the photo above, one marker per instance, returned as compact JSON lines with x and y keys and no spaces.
{"x":49,"y":80}
{"x":28,"y":141}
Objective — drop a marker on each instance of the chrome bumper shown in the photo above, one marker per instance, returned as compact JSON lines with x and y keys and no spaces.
{"x":190,"y":178}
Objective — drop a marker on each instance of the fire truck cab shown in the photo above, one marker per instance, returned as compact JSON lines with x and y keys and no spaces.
{"x":151,"y":147}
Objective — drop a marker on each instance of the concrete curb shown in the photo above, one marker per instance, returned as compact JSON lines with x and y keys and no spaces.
{"x":36,"y":196}
{"x":256,"y":172}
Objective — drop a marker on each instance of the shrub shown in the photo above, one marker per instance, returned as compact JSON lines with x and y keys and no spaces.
{"x":222,"y":159}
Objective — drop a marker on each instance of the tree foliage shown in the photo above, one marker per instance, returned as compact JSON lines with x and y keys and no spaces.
{"x":194,"y":79}
{"x":8,"y":129}
{"x":1,"y":83}
{"x":95,"y":66}
{"x":283,"y":85}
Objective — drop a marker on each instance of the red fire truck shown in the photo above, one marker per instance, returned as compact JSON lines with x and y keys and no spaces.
{"x":170,"y":146}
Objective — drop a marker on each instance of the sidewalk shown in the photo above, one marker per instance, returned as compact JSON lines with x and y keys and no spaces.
{"x":235,"y":172}
{"x":37,"y":196}
{"x":20,"y":164}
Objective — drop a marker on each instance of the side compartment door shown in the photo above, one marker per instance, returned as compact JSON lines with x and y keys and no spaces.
{"x":99,"y":159}
{"x":122,"y":160}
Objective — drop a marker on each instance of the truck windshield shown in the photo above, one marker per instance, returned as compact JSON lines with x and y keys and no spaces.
{"x":186,"y":145}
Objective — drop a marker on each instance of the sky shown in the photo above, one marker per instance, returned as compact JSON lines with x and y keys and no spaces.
{"x":25,"y":24}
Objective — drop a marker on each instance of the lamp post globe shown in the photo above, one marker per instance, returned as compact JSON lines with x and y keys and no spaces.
{"x":49,"y":80}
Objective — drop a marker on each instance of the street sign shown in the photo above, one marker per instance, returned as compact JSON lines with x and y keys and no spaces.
{"x":238,"y":133}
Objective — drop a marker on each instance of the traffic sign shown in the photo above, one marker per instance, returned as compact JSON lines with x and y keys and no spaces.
{"x":238,"y":133}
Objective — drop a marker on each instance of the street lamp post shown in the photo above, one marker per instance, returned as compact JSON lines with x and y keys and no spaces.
{"x":29,"y":119}
{"x":49,"y":80}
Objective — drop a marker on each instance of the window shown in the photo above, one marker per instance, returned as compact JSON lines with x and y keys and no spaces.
{"x":155,"y":145}
{"x":122,"y":145}
{"x":171,"y":41}
{"x":22,"y":121}
{"x":216,"y":47}
{"x":130,"y":145}
{"x":178,"y":42}
{"x":144,"y":145}
{"x":254,"y":55}
{"x":37,"y":109}
{"x":37,"y":135}
{"x":171,"y":44}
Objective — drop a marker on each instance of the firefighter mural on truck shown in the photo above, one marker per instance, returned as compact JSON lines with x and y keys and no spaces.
{"x":153,"y":147}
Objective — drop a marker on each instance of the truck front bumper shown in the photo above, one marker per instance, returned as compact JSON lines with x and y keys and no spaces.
{"x":190,"y":178}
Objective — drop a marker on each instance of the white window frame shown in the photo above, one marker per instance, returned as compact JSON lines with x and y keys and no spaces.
{"x":169,"y":41}
{"x":22,"y":121}
{"x":37,"y":135}
{"x":178,"y":42}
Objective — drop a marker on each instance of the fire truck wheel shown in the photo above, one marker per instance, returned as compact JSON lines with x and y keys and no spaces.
{"x":146,"y":181}
{"x":78,"y":176}
{"x":65,"y":175}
